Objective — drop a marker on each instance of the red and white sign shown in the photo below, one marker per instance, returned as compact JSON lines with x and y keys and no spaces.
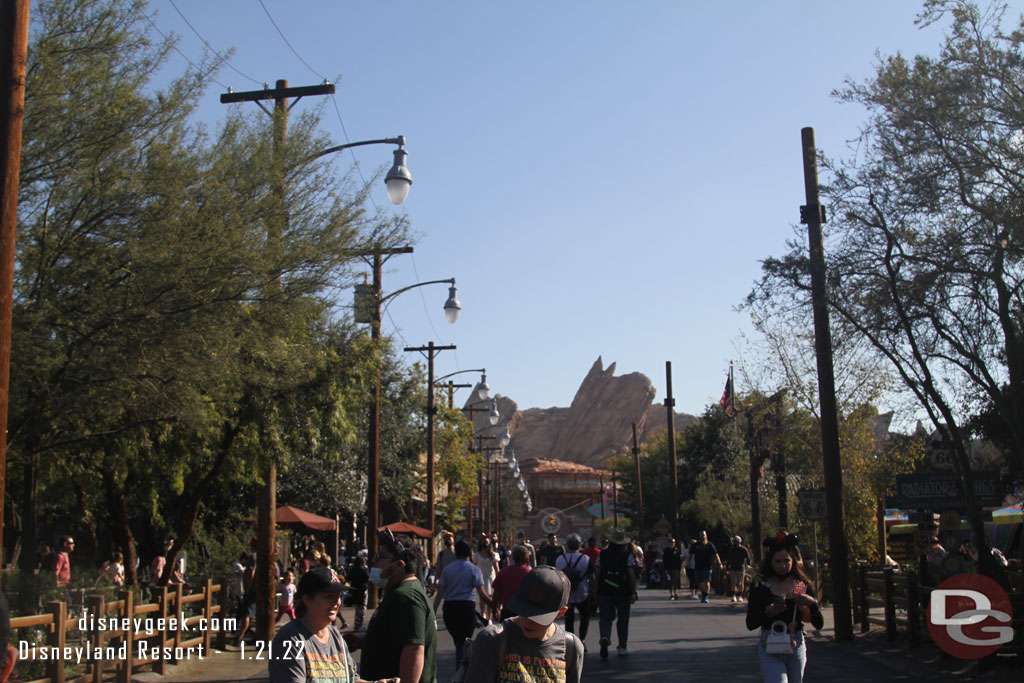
{"x":970,"y":616}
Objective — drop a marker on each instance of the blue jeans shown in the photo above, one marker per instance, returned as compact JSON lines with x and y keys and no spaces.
{"x":783,"y":668}
{"x":611,"y":606}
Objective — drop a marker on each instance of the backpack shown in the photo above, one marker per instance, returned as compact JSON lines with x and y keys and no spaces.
{"x":467,"y":652}
{"x":572,"y":572}
{"x":614,"y":577}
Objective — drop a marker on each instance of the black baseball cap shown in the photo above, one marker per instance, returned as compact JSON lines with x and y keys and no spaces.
{"x":542,"y":594}
{"x":319,"y":580}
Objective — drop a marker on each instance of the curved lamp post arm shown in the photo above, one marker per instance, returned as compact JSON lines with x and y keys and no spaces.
{"x":451,"y":306}
{"x":398,"y":179}
{"x":459,"y":372}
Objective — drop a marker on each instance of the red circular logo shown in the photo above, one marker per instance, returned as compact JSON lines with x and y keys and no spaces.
{"x":970,"y":616}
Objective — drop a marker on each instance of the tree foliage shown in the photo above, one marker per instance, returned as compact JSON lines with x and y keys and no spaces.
{"x":924,"y":251}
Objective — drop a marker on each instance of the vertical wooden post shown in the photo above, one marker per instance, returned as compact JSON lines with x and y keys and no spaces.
{"x":208,"y":613}
{"x":55,"y":667}
{"x":179,"y":613}
{"x":865,"y":607}
{"x":890,"y":606}
{"x":96,"y":605}
{"x":673,"y":467}
{"x":838,"y":552}
{"x":124,"y":675}
{"x":913,"y":610}
{"x":161,"y":594}
{"x":14,"y":15}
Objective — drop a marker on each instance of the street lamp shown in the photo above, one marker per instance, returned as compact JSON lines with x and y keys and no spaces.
{"x":398,"y":179}
{"x":369,"y":305}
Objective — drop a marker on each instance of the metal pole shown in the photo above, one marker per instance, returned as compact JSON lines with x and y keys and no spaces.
{"x":817,"y":570}
{"x":14,"y":17}
{"x":839,"y":561}
{"x":431,"y":409}
{"x":670,"y":403}
{"x":373,"y":455}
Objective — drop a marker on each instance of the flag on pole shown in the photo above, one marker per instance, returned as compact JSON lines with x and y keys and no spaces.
{"x":727,"y":396}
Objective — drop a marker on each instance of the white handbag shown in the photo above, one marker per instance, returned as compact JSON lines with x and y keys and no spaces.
{"x":778,"y":641}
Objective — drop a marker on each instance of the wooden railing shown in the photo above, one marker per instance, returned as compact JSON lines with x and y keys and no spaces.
{"x":170,"y":638}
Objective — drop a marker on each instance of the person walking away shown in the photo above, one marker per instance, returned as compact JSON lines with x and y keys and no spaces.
{"x":616,"y":591}
{"x":738,"y":559}
{"x":358,"y":580}
{"x":446,"y":555}
{"x":691,"y":576}
{"x":238,"y":580}
{"x":705,"y":558}
{"x":506,"y":583}
{"x":62,"y":566}
{"x":487,"y":560}
{"x":593,"y":553}
{"x":460,"y":583}
{"x":576,"y":567}
{"x":672,"y":561}
{"x":286,"y":603}
{"x":781,"y":596}
{"x":525,"y":542}
{"x":514,"y":651}
{"x":310,"y":648}
{"x":401,"y":638}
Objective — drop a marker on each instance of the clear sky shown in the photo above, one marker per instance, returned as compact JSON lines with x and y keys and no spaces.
{"x":602,"y":178}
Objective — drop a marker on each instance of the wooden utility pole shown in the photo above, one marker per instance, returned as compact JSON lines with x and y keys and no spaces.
{"x":13,"y":56}
{"x":266,"y":507}
{"x":670,"y":405}
{"x":813,"y":215}
{"x":639,"y":486}
{"x":431,"y":352}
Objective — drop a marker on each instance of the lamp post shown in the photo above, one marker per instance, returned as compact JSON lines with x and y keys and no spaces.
{"x":370,"y":303}
{"x":398,"y":181}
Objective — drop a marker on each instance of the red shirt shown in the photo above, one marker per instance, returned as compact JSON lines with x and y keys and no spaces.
{"x":63,"y":569}
{"x":592,"y":554}
{"x":506,"y":583}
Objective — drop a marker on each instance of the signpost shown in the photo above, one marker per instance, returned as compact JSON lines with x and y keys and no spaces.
{"x":812,"y":506}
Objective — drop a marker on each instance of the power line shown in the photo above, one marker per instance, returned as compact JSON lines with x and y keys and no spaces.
{"x":424,"y":299}
{"x":173,"y":45}
{"x":294,"y":52}
{"x":210,"y":47}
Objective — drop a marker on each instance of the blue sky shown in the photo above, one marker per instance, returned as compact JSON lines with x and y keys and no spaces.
{"x":601,"y":178}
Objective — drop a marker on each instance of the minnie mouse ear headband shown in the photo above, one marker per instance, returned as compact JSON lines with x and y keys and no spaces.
{"x":385,"y":537}
{"x":780,"y":541}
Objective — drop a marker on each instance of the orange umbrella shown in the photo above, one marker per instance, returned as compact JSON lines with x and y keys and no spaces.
{"x":404,"y":528}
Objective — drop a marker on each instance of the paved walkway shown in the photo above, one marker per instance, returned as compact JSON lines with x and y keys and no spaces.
{"x":689,"y":641}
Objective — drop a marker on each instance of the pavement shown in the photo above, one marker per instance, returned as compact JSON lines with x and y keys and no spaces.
{"x":685,"y":640}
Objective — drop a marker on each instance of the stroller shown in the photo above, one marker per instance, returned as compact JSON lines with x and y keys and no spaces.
{"x":658,"y":576}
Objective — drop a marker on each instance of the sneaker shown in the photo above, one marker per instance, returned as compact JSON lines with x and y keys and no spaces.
{"x":734,"y":598}
{"x":622,"y":651}
{"x":739,"y":598}
{"x":694,"y":597}
{"x":706,"y":599}
{"x":604,"y":647}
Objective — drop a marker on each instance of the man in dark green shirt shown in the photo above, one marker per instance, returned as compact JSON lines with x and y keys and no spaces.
{"x":401,"y":638}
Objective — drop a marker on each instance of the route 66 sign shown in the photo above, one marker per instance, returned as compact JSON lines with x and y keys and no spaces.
{"x":811,"y":505}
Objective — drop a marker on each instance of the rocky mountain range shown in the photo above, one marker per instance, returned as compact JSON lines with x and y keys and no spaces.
{"x":598,"y":424}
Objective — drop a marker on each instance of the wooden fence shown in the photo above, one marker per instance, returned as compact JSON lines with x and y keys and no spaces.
{"x":168,"y":637}
{"x":897,"y":602}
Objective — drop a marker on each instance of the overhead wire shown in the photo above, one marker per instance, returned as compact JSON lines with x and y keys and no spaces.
{"x":294,"y":51}
{"x":210,"y":47}
{"x":173,"y":45}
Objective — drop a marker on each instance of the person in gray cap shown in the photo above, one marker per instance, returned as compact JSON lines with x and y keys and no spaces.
{"x":738,"y":558}
{"x":616,"y":591}
{"x":310,"y":648}
{"x":530,"y":646}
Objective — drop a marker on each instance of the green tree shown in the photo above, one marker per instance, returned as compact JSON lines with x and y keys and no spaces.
{"x":925,"y":245}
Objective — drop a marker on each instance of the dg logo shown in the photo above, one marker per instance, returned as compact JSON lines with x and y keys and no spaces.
{"x":969,"y":616}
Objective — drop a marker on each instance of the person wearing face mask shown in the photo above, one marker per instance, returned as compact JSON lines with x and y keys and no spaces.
{"x":401,"y":638}
{"x":531,"y":642}
{"x":782,"y":594}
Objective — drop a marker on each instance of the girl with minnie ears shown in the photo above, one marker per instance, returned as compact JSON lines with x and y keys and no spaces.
{"x":782,"y":592}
